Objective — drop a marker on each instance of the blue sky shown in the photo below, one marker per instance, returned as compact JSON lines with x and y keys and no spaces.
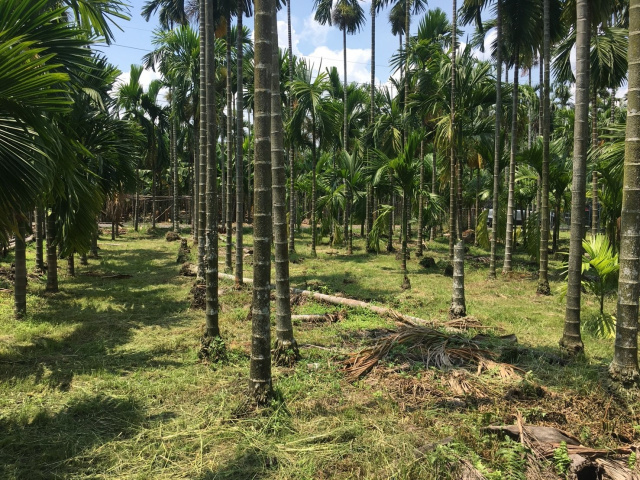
{"x":322,"y":45}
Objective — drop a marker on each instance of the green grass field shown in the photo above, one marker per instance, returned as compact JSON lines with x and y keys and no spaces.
{"x":103,"y":380}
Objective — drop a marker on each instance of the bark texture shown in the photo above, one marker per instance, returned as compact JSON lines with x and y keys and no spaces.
{"x":20,"y":259}
{"x":211,"y":231}
{"x":228,"y":259}
{"x":39,"y":239}
{"x":239,"y":143}
{"x":508,"y":242}
{"x":286,"y":348}
{"x":497,"y":150}
{"x":260,"y":370}
{"x":458,"y":305}
{"x":292,"y":201}
{"x":201,"y":209}
{"x":543,"y":280}
{"x":624,"y":366}
{"x":571,"y":338}
{"x":52,"y":256}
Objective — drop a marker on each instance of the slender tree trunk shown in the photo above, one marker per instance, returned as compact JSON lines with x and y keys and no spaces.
{"x":292,"y":200}
{"x":136,"y":205}
{"x":544,"y":64}
{"x":211,"y":231}
{"x":407,"y":38}
{"x":239,"y":143}
{"x":345,"y":126}
{"x":39,"y":232}
{"x":529,"y":119}
{"x":477,"y":206}
{"x":313,"y":185}
{"x":508,"y":246}
{"x":571,"y":339}
{"x":406,"y":284}
{"x":153,"y":191}
{"x":52,"y":257}
{"x":434,"y":173}
{"x":556,"y":226}
{"x":195,"y":199}
{"x":420,"y":200}
{"x":202,"y":154}
{"x":260,"y":374}
{"x":458,"y":305}
{"x":452,"y":161}
{"x":543,"y":281}
{"x":20,"y":259}
{"x":286,"y":348}
{"x":228,"y":264}
{"x":624,"y":367}
{"x":71,"y":264}
{"x":372,"y":102}
{"x":175,"y":210}
{"x":594,"y":175}
{"x":391,"y":220}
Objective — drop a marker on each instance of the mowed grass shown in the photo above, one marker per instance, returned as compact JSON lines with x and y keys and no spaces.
{"x":103,"y":380}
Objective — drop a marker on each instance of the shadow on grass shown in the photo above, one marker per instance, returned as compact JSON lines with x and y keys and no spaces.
{"x":100,"y":314}
{"x":250,"y":463}
{"x":59,"y":445}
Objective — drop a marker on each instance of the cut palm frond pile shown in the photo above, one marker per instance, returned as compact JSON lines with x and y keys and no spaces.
{"x":422,"y":345}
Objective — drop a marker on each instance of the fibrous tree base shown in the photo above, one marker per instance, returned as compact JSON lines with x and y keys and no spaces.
{"x":571,"y":347}
{"x":261,"y":392}
{"x":457,"y":311}
{"x":543,"y":288}
{"x":626,"y":375}
{"x":212,"y":349}
{"x":285,"y":353}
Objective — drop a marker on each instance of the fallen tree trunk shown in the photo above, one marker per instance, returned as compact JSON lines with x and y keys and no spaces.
{"x":349,"y":302}
{"x":27,"y":240}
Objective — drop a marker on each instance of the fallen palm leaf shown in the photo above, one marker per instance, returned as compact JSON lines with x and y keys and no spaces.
{"x":427,"y":345}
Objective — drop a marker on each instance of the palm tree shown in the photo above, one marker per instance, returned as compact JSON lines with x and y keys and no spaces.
{"x":212,"y":331}
{"x":571,"y":338}
{"x":543,"y":281}
{"x":202,"y":144}
{"x":286,"y":348}
{"x":260,"y":374}
{"x":292,"y":201}
{"x":624,"y":366}
{"x":471,"y":11}
{"x":349,"y":17}
{"x":240,"y":37}
{"x":520,"y":36}
{"x":171,"y":12}
{"x":310,"y":101}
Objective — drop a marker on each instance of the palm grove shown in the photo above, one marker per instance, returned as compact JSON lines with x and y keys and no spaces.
{"x":253,"y":134}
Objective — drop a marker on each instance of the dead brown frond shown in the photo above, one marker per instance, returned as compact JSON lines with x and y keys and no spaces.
{"x":423,"y":344}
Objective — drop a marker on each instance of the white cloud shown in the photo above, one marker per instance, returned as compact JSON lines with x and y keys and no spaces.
{"x":315,"y":33}
{"x":358,"y":62}
{"x":283,"y":37}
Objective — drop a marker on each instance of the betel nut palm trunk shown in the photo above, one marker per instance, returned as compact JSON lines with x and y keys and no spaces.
{"x":260,"y":369}
{"x":286,"y":348}
{"x":201,"y":208}
{"x":211,"y":231}
{"x":543,"y":281}
{"x":624,"y":366}
{"x":239,"y":143}
{"x":508,"y":241}
{"x":228,"y":263}
{"x":497,"y":146}
{"x":571,"y":339}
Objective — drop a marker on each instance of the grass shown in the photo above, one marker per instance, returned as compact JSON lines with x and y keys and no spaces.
{"x":102,"y":379}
